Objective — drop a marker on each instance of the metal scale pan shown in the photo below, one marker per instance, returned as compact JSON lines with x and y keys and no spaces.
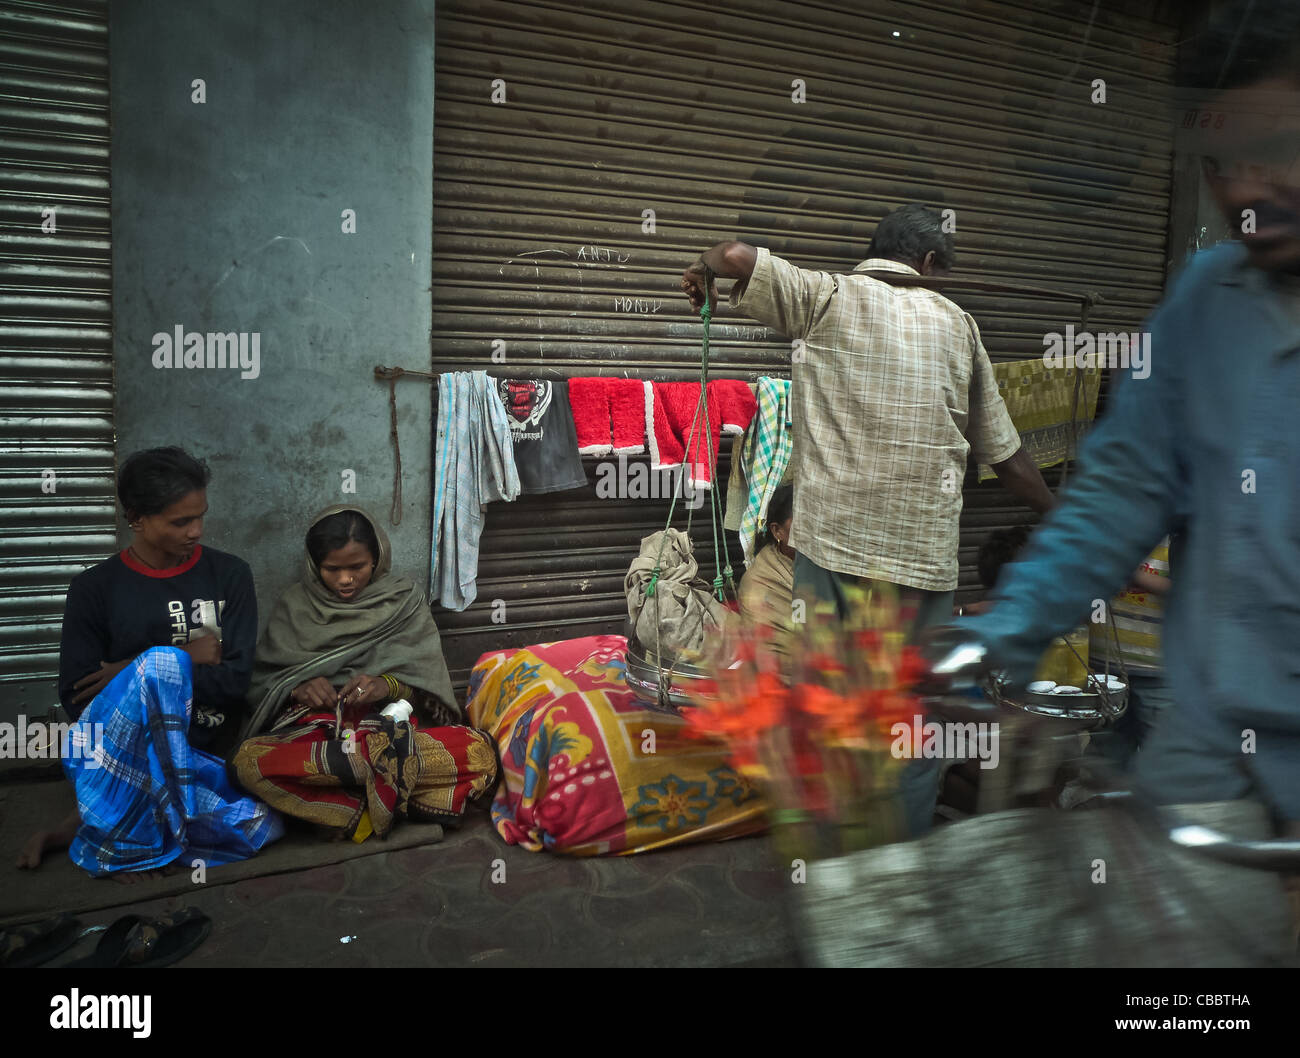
{"x":642,"y":676}
{"x":1086,"y":711}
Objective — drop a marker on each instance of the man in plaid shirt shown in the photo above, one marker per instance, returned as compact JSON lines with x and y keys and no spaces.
{"x":892,"y":391}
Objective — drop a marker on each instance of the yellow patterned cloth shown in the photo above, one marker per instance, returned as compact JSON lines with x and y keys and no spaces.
{"x":1137,"y":618}
{"x":587,"y":769}
{"x":1040,"y":400}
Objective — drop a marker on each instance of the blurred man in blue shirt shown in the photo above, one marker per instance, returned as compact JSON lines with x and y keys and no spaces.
{"x":1213,"y":434}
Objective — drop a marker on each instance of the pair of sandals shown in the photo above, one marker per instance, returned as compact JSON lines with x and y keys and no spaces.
{"x":131,"y":941}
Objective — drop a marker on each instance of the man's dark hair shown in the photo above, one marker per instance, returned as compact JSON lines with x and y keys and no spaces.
{"x":999,"y":549}
{"x":152,"y":480}
{"x":910,"y":232}
{"x":338,"y":530}
{"x":779,"y":508}
{"x":1241,"y":43}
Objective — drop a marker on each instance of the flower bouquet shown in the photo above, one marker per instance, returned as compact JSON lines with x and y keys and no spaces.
{"x":816,"y":727}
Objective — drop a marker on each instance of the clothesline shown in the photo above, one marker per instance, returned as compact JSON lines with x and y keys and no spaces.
{"x":391,"y":375}
{"x":1086,"y":301}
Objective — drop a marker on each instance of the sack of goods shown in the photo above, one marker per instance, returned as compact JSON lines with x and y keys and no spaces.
{"x":674,"y":620}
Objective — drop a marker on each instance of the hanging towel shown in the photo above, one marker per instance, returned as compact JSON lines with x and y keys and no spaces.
{"x":737,"y":486}
{"x":1040,"y":401}
{"x":608,"y":415}
{"x":667,"y":404}
{"x":766,"y":456}
{"x":474,"y":465}
{"x":670,"y":416}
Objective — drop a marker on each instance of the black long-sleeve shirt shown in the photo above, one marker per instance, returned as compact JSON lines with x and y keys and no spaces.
{"x":120,"y":608}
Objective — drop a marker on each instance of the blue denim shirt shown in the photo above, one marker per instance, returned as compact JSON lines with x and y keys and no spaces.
{"x":1212,"y":435}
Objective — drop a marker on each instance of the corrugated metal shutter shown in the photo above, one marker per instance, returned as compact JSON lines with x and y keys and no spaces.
{"x":687,"y":110}
{"x":56,"y":412}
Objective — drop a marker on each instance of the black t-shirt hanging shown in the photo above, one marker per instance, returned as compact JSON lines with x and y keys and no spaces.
{"x":545,"y":441}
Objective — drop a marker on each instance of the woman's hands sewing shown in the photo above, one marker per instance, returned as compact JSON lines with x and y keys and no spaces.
{"x":319,"y":693}
{"x":363,"y":690}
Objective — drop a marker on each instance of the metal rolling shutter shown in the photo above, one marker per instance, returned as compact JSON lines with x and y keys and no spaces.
{"x":56,"y":412}
{"x":979,"y":106}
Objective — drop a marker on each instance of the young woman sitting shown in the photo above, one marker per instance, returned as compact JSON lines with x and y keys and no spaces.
{"x":766,"y":594}
{"x":154,"y":664}
{"x":347,"y":640}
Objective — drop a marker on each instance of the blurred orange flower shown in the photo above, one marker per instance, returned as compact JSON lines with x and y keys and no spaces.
{"x":823,"y":740}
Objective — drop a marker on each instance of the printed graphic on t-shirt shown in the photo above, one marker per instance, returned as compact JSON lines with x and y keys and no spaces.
{"x":526,"y":402}
{"x":200,"y":618}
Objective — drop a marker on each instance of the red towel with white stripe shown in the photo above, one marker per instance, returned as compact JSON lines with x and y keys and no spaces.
{"x":670,"y":409}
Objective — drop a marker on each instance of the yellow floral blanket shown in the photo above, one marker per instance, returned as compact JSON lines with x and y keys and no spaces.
{"x":587,"y":769}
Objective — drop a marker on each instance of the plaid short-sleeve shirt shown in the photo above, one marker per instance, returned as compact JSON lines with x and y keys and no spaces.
{"x":892,"y":389}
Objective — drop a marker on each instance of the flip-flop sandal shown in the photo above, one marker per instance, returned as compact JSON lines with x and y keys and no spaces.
{"x":37,"y":942}
{"x":133,"y":941}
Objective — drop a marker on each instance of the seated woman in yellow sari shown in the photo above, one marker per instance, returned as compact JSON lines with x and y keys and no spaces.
{"x":766,"y":594}
{"x":345,"y":642}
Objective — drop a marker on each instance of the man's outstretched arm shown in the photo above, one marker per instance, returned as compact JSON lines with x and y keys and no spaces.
{"x":730,"y":260}
{"x":1021,"y":477}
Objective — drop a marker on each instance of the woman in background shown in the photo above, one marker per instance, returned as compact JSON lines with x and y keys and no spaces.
{"x":347,"y":640}
{"x":766,"y":593}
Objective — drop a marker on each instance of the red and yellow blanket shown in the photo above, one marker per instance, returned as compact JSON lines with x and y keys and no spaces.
{"x":588,"y":769}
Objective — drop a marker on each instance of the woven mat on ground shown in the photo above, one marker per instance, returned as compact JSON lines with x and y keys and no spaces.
{"x":57,"y":885}
{"x":1040,"y":401}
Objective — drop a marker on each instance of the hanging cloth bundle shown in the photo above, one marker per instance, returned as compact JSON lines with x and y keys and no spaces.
{"x":670,"y":608}
{"x":667,"y":605}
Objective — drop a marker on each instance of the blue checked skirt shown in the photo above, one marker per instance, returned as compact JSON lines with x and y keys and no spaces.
{"x":146,"y":797}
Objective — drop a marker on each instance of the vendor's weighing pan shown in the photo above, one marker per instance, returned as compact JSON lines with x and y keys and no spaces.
{"x":1088,"y":710}
{"x":642,"y":676}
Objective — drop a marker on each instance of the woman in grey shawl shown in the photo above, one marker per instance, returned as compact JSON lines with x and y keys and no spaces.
{"x":345,"y":641}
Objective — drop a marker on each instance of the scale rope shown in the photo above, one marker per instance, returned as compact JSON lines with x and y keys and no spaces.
{"x":724,"y":579}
